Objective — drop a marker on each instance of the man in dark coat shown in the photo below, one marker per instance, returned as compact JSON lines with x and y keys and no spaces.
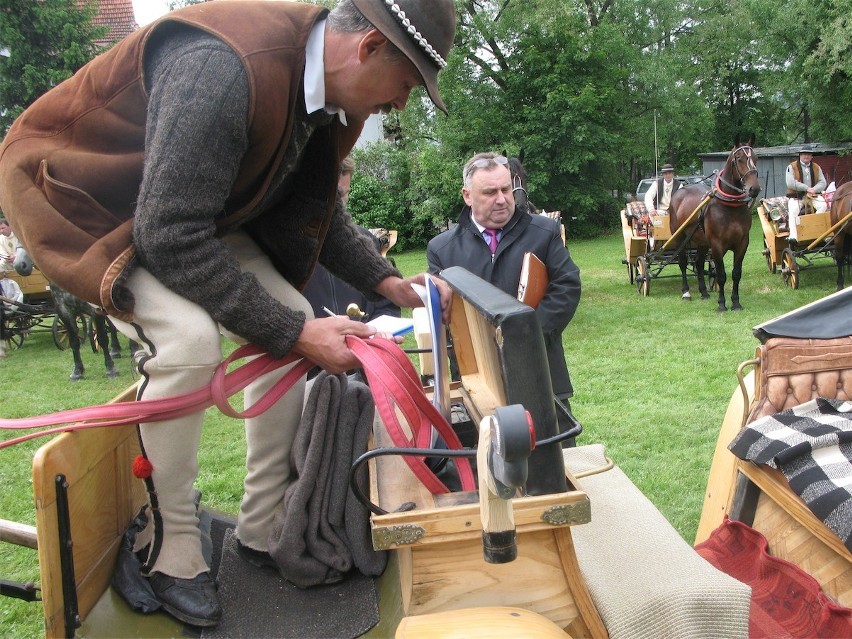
{"x":490,"y":240}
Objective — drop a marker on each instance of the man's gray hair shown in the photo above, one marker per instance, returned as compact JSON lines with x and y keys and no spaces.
{"x":481,"y":161}
{"x":345,"y":18}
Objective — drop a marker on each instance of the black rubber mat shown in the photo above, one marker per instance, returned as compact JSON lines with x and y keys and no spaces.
{"x":261,"y":603}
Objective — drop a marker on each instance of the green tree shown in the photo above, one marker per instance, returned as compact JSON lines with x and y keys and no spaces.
{"x":44,"y":42}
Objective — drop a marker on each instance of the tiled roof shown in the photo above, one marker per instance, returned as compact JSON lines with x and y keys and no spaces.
{"x":116,"y":14}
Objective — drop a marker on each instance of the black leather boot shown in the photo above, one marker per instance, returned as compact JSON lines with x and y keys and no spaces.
{"x":193,"y":601}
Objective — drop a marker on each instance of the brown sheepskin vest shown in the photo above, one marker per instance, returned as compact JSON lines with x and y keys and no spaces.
{"x":71,"y":165}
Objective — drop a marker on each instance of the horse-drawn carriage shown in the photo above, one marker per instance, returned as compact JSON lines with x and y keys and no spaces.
{"x":817,"y":232}
{"x":593,"y":557}
{"x":37,"y":313}
{"x":702,"y":223}
{"x":648,"y":249}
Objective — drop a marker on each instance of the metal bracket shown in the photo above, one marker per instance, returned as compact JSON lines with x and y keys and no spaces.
{"x":66,"y":559}
{"x":401,"y":535}
{"x":568,"y":514}
{"x":28,"y":591}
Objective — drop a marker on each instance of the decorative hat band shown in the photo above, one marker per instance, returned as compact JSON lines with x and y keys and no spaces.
{"x":399,"y":14}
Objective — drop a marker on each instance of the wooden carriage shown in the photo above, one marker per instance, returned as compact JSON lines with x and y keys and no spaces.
{"x":803,"y":355}
{"x":595,"y":558}
{"x":35,"y":286}
{"x":816,"y":235}
{"x":650,"y":246}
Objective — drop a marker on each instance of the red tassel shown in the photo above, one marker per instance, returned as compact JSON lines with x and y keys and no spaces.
{"x":142,"y":467}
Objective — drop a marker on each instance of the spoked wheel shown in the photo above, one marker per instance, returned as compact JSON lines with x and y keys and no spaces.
{"x":18,"y":326}
{"x":14,"y":341}
{"x":789,"y":269}
{"x":711,"y":275}
{"x":768,"y":255}
{"x":643,"y":276}
{"x":60,"y":331}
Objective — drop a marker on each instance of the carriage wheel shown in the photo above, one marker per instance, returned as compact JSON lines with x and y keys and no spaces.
{"x":643,"y":276}
{"x":15,"y":339}
{"x":790,"y":269}
{"x":60,"y":331}
{"x":768,"y":255}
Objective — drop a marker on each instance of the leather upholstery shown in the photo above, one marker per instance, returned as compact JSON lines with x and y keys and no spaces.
{"x":794,"y":371}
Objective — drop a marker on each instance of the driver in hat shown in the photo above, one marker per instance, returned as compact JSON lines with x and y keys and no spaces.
{"x":659,"y":196}
{"x":805,"y":180}
{"x":185,"y":181}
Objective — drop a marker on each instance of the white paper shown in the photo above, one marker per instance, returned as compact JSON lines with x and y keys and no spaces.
{"x":392,"y":325}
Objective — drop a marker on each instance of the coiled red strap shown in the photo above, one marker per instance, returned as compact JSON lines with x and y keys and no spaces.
{"x":393,"y":381}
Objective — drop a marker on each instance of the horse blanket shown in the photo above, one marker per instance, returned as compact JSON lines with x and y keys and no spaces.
{"x":812,"y":445}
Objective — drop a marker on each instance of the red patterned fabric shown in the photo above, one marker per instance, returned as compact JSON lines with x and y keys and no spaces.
{"x":785,"y":601}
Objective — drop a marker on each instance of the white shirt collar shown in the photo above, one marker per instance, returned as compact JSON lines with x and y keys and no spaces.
{"x":315,"y":74}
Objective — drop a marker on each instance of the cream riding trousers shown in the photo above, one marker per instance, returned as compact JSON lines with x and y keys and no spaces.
{"x":183,"y":348}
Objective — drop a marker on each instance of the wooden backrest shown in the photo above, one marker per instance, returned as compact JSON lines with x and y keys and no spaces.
{"x":103,"y":497}
{"x":502,"y":360}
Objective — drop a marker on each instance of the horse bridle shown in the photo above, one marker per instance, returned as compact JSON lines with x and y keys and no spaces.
{"x":517,"y":184}
{"x":741,"y":190}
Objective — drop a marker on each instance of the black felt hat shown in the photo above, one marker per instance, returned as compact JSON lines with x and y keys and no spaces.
{"x":422,"y":29}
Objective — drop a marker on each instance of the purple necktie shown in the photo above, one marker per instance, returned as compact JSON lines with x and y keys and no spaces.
{"x":492,"y":239}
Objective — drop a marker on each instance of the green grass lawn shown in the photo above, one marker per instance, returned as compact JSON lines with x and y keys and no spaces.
{"x":652,"y":378}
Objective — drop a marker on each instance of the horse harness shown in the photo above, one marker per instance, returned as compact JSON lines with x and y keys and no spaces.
{"x":740,"y":192}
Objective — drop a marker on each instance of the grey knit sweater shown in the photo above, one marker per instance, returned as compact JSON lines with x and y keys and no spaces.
{"x":196,"y":137}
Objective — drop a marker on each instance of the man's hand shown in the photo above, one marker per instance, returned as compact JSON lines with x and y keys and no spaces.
{"x":322,"y":342}
{"x":400,"y":292}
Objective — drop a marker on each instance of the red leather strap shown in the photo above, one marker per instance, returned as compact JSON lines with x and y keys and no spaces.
{"x":395,"y":385}
{"x":393,"y":382}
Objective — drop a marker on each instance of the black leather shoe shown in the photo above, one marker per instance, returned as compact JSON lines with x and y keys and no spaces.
{"x":193,"y":601}
{"x":257,"y":558}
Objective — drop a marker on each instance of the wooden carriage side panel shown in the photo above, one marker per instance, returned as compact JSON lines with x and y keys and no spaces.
{"x":723,"y":470}
{"x":34,"y":286}
{"x":789,"y":372}
{"x":795,"y":534}
{"x":455,"y":576}
{"x":103,"y":497}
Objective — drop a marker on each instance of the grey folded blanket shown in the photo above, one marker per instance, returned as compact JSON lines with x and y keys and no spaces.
{"x":322,"y":530}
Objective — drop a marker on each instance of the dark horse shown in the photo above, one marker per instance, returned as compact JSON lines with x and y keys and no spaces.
{"x":722,"y":224}
{"x":68,"y":308}
{"x":841,"y":206}
{"x":519,"y":182}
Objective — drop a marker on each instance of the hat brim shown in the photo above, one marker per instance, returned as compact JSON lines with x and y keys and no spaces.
{"x":380,"y":18}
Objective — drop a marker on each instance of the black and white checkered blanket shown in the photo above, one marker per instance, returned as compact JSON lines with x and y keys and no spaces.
{"x":812,"y":445}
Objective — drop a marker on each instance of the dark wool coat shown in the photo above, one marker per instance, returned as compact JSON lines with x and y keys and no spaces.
{"x":464,"y":246}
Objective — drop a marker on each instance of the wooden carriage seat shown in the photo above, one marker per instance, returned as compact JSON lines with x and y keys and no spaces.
{"x":788,"y":372}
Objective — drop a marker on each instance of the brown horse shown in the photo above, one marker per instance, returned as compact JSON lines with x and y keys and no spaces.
{"x":721,"y":225}
{"x":841,"y":206}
